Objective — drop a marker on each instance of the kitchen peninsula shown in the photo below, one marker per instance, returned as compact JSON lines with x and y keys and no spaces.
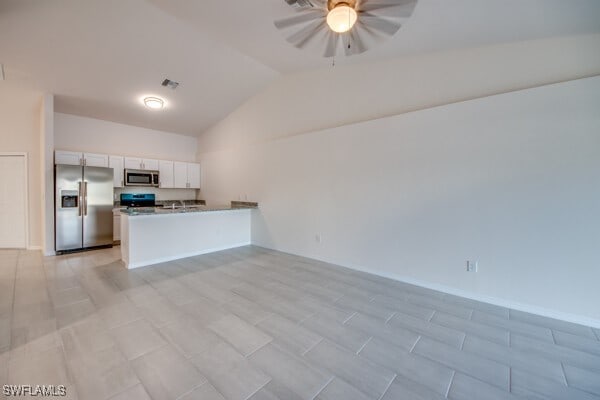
{"x":154,"y":235}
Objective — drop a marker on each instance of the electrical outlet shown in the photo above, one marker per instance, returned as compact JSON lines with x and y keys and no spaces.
{"x":472,"y":266}
{"x":318,"y":238}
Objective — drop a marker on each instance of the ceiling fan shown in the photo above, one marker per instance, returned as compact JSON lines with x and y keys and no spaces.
{"x":358,"y":23}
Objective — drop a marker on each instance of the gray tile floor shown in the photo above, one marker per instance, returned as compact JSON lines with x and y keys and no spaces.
{"x":251,"y":323}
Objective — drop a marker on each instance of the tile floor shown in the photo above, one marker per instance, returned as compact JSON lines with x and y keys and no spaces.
{"x":251,"y":323}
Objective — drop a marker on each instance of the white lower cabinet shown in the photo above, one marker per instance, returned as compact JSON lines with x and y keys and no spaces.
{"x":116,"y":225}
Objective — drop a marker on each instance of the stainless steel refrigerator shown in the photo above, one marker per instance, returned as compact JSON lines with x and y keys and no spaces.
{"x":83,"y":207}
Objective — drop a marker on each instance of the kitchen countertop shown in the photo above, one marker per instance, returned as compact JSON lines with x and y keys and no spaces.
{"x":182,"y":210}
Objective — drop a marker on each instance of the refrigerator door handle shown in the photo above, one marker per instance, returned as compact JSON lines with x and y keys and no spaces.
{"x":79,"y":205}
{"x":85,"y":199}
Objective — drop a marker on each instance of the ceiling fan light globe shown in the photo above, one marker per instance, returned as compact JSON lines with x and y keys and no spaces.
{"x":341,"y":18}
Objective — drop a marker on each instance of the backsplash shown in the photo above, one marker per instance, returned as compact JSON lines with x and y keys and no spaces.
{"x":161,"y":194}
{"x":177,"y":202}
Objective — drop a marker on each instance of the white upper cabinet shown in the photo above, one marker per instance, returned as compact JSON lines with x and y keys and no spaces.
{"x":141,"y":163}
{"x":180,"y":175}
{"x":133,"y":163}
{"x":116,"y":163}
{"x":172,"y":174}
{"x":193,"y":175}
{"x":166,"y":174}
{"x":68,"y":157}
{"x":95,"y":160}
{"x":76,"y":158}
{"x":186,"y":175}
{"x":150,"y":165}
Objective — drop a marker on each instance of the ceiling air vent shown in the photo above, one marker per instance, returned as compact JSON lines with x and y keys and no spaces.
{"x":300,"y":3}
{"x":170,"y":84}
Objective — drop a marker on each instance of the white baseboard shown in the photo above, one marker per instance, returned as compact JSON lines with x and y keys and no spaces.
{"x":497,"y":301}
{"x":145,"y":263}
{"x":529,"y":308}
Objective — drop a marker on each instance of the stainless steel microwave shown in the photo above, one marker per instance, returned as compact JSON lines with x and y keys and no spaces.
{"x":137,"y":177}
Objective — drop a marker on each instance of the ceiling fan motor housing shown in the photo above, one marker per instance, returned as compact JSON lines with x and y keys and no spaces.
{"x":331,"y":4}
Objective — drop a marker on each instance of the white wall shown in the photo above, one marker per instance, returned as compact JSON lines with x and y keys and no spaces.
{"x":97,"y":136}
{"x":47,"y":173}
{"x":331,"y":97}
{"x":510,"y":180}
{"x":20,"y":132}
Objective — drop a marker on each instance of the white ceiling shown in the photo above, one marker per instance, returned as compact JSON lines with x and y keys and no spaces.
{"x":100,"y":56}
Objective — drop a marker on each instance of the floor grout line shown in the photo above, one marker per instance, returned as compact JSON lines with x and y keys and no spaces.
{"x":450,"y":384}
{"x":432,"y":315}
{"x":562,"y":367}
{"x":312,"y":347}
{"x":415,"y":344}
{"x":388,"y":386}
{"x":391,"y":316}
{"x":364,"y":345}
{"x":324,"y":386}
{"x":553,"y":337}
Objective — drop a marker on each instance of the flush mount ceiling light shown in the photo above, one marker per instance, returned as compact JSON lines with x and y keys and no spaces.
{"x":154,"y":103}
{"x":341,"y":18}
{"x":357,"y":24}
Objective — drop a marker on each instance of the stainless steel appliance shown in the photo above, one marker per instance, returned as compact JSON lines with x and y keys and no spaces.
{"x":138,"y":177}
{"x":83,"y":207}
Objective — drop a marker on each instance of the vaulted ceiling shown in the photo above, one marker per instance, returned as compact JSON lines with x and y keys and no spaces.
{"x":100,"y":57}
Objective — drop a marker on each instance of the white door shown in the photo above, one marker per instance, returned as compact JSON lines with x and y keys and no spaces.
{"x":13,"y":189}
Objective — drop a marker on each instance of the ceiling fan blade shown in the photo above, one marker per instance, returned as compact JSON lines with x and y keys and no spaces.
{"x":332,"y":42}
{"x":319,"y":4}
{"x":398,"y":8}
{"x":301,"y":38}
{"x":379,"y":24}
{"x":302,"y":17}
{"x":407,"y":6}
{"x":353,"y":44}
